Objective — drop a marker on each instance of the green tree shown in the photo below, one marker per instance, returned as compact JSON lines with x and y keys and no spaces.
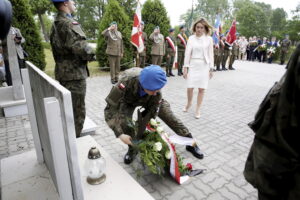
{"x":252,"y":21}
{"x":47,"y":24}
{"x":23,"y":20}
{"x":155,"y":14}
{"x":129,"y":6}
{"x":209,"y":9}
{"x":89,"y":13}
{"x":278,"y":21}
{"x":114,"y":12}
{"x":39,"y":8}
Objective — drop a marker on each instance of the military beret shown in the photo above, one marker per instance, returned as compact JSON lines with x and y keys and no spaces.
{"x":57,"y":1}
{"x":156,"y":27}
{"x":5,"y":18}
{"x":181,"y":27}
{"x":171,"y":30}
{"x":153,"y":78}
{"x":221,"y":35}
{"x":113,"y":23}
{"x":142,"y":23}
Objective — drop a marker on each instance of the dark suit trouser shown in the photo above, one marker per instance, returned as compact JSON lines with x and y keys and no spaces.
{"x":157,"y":59}
{"x":114,"y":64}
{"x":78,"y":91}
{"x":180,"y":60}
{"x":170,"y":61}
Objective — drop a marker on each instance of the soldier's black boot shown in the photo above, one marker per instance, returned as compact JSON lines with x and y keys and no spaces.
{"x":130,"y":155}
{"x":170,"y":72}
{"x":195,"y":150}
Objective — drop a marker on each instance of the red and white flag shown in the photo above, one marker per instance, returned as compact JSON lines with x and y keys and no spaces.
{"x":231,"y":35}
{"x":136,"y":34}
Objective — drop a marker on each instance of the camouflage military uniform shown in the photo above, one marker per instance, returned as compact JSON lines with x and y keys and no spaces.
{"x":71,"y":54}
{"x":124,"y":98}
{"x":170,"y":53}
{"x":273,"y":164}
{"x":234,"y":55}
{"x":285,"y":45}
{"x":219,"y":53}
{"x":180,"y":52}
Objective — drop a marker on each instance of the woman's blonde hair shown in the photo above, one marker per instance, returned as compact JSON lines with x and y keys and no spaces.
{"x":207,"y":26}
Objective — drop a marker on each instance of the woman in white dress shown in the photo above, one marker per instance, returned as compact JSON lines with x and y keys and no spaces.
{"x":198,"y":63}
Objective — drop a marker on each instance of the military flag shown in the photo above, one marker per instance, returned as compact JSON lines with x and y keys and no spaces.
{"x":231,"y":35}
{"x":136,"y":34}
{"x":217,"y":30}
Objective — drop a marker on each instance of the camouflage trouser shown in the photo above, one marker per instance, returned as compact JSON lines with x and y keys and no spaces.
{"x":180,"y":60}
{"x":114,"y":64}
{"x":78,"y":90}
{"x":231,"y":60}
{"x":170,"y":61}
{"x":157,"y":60}
{"x":225,"y":57}
{"x":120,"y":126}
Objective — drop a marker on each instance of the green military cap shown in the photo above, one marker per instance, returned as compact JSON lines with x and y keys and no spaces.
{"x":113,"y":23}
{"x":156,"y":27}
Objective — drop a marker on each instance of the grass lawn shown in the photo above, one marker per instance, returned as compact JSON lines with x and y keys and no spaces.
{"x":50,"y":64}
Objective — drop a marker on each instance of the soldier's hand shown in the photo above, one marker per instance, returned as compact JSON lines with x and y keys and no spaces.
{"x":126,"y":139}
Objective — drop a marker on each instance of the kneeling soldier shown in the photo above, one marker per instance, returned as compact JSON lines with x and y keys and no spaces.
{"x":141,"y":87}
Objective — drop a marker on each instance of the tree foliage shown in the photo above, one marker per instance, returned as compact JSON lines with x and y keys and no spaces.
{"x":129,"y":6}
{"x":278,"y":20}
{"x":23,"y":20}
{"x":39,"y":8}
{"x":114,"y":12}
{"x":89,"y":13}
{"x":252,"y":21}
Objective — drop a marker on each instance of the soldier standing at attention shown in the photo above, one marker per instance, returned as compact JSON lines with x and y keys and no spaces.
{"x":141,"y":61}
{"x":114,"y":50}
{"x":170,"y":52}
{"x":234,"y":55}
{"x":141,"y":87}
{"x":181,"y":45}
{"x":158,"y":46}
{"x":220,"y":52}
{"x":285,"y":45}
{"x":71,"y":54}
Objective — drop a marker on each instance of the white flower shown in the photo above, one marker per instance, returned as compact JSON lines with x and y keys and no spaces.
{"x":153,"y":122}
{"x":168,"y":155}
{"x":159,"y":129}
{"x":157,"y":146}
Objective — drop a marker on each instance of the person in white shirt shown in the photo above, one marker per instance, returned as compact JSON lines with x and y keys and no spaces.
{"x":198,"y":63}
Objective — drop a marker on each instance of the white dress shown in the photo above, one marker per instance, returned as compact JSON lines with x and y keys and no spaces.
{"x":198,"y":60}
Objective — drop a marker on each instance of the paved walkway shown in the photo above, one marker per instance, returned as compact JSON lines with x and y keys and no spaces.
{"x":230,"y":103}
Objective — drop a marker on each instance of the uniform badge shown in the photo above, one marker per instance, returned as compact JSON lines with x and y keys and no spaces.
{"x":75,"y":23}
{"x":121,"y":86}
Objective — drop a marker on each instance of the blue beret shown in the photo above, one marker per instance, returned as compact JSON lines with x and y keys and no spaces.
{"x":142,"y":23}
{"x":153,"y":78}
{"x":57,"y":1}
{"x":171,"y":30}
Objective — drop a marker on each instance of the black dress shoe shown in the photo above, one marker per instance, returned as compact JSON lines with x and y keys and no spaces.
{"x":129,"y":156}
{"x":223,"y":68}
{"x":231,"y":68}
{"x":171,"y":74}
{"x":195,"y":151}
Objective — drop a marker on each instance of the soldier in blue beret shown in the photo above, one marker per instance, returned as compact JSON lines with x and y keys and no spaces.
{"x":141,"y":87}
{"x":71,"y":53}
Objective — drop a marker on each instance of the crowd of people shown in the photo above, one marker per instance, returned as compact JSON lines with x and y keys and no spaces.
{"x":251,"y":49}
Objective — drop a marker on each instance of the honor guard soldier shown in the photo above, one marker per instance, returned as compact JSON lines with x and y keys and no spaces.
{"x":285,"y":46}
{"x":114,"y":50}
{"x":141,"y":87}
{"x":170,"y":52}
{"x":181,"y":46}
{"x":234,"y":55}
{"x":158,"y":46}
{"x":71,"y":53}
{"x":141,"y":60}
